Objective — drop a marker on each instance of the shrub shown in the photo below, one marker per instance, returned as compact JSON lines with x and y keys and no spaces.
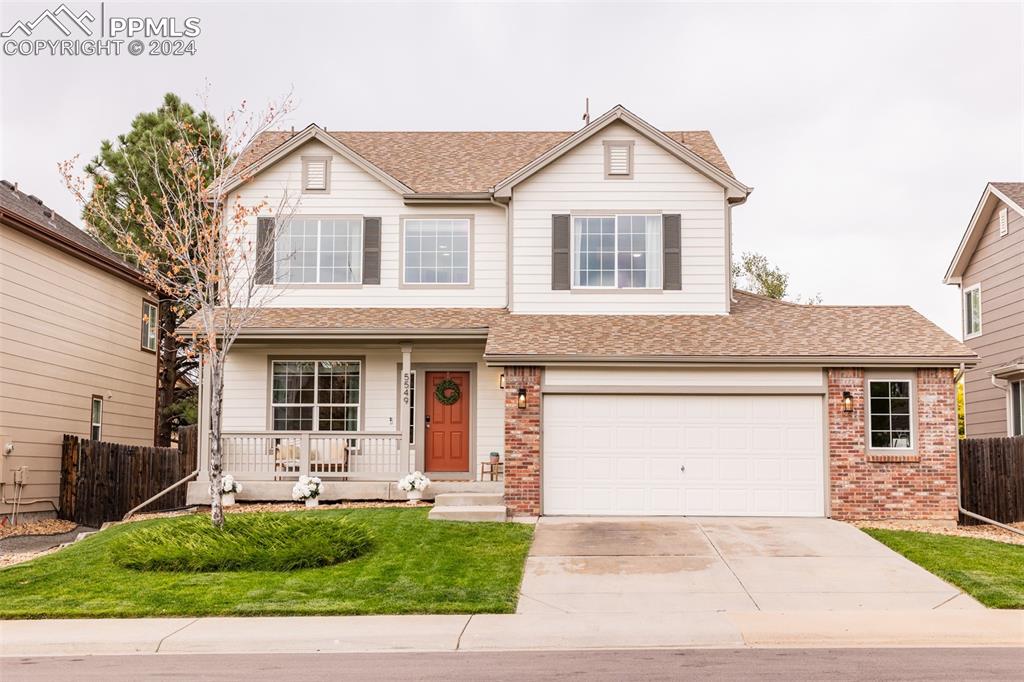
{"x":248,"y":542}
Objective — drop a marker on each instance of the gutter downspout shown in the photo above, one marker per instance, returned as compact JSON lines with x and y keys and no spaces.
{"x":508,"y":249}
{"x":979,"y":517}
{"x":160,"y":494}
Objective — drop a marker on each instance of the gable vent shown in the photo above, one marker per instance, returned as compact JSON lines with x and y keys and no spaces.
{"x":314,"y":173}
{"x":1004,"y":226}
{"x":618,"y":159}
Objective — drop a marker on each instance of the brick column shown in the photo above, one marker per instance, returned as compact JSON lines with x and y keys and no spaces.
{"x":893,"y":486}
{"x":522,"y":441}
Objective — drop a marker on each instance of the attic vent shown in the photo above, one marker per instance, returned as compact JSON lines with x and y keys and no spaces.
{"x":618,"y":159}
{"x":1004,"y":226}
{"x":315,"y":173}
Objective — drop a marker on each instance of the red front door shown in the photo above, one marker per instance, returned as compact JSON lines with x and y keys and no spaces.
{"x":446,"y":427}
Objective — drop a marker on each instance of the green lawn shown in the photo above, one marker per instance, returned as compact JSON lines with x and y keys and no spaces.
{"x":415,"y":566}
{"x":991,"y":572}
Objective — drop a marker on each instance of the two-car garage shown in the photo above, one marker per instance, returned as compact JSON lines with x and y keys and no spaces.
{"x":735,"y":454}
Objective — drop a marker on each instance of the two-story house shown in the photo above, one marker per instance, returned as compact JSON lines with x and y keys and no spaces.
{"x":988,"y":267}
{"x":78,"y":342}
{"x":564,"y":299}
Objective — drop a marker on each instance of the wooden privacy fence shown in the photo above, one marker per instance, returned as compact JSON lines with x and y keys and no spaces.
{"x":992,"y":479}
{"x":101,"y":482}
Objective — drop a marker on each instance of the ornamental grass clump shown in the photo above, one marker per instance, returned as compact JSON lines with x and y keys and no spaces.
{"x":247,"y":542}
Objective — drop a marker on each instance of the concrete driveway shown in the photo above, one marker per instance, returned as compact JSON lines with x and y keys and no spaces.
{"x":672,"y":565}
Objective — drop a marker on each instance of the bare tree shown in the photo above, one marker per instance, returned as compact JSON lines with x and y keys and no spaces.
{"x":198,"y":252}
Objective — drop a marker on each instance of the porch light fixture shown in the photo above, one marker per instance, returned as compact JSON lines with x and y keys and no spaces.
{"x":501,"y":381}
{"x":847,"y":402}
{"x":522,"y":398}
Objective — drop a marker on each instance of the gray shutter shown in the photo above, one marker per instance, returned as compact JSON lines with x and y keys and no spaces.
{"x":671,"y":249}
{"x":561,"y":270}
{"x":371,"y":250}
{"x":264,"y":251}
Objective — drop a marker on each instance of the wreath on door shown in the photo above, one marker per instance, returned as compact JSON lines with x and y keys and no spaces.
{"x":447,"y":392}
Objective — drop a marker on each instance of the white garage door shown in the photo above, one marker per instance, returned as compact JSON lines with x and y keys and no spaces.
{"x":683,"y":455}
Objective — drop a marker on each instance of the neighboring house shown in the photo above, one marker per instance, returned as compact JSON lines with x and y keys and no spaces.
{"x":77,"y":352}
{"x":989,"y":269}
{"x":564,"y":299}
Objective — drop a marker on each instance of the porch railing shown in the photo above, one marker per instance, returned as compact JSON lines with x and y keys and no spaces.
{"x":286,"y":455}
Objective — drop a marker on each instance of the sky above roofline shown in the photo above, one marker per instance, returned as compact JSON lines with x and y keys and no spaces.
{"x":868,"y":130}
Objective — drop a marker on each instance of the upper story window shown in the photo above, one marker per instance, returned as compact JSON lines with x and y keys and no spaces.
{"x":436,"y":251}
{"x":149,"y":326}
{"x":316,"y":173}
{"x":618,"y":159}
{"x":96,"y":419}
{"x":617,"y":252}
{"x":319,"y":250}
{"x":972,"y":311}
{"x":889,"y":415}
{"x":315,"y":395}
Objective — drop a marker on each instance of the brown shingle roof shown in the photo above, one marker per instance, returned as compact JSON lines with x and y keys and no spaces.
{"x":46,"y":221}
{"x":757,"y":328}
{"x":1013,"y":190}
{"x":446,"y":162}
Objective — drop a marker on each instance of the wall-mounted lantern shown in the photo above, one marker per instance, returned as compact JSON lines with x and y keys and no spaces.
{"x":501,"y":381}
{"x":522,"y":398}
{"x":847,"y":401}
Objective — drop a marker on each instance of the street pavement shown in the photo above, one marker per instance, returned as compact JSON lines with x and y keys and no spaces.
{"x":593,"y":666}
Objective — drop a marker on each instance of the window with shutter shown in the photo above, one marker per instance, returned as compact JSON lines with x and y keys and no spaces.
{"x":315,"y":173}
{"x":618,"y":158}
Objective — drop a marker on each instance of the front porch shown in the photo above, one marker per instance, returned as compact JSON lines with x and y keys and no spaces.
{"x":289,"y":406}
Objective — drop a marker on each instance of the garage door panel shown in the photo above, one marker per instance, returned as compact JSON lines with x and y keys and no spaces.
{"x":743,"y":455}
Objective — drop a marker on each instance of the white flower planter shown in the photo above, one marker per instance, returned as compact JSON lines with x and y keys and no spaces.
{"x":312,"y":502}
{"x":414,"y":496}
{"x":228,"y":499}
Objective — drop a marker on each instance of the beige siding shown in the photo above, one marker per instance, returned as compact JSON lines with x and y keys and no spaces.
{"x":356,"y":193}
{"x":68,"y":331}
{"x":247,"y":373}
{"x":998,"y":264}
{"x":661,"y":182}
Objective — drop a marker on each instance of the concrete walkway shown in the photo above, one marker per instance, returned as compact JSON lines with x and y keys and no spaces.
{"x":658,"y":566}
{"x":511,"y":632}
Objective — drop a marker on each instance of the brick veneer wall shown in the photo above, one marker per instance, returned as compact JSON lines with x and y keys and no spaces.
{"x":522,"y":441}
{"x":873,"y":486}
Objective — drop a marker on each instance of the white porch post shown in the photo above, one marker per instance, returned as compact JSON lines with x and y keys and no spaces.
{"x":203,"y":456}
{"x":406,"y":406}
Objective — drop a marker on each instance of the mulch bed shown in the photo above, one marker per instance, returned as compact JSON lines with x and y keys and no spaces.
{"x":41,"y":527}
{"x":985,"y":532}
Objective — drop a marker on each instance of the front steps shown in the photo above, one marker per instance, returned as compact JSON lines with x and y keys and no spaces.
{"x":469,"y":507}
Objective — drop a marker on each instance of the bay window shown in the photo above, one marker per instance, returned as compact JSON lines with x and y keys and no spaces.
{"x":617,"y":252}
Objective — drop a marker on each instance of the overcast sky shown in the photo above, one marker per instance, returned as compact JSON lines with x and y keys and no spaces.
{"x":867,"y":130}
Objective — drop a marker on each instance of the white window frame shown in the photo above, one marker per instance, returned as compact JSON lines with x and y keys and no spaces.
{"x":965,"y":303}
{"x":150,"y":329}
{"x":1015,"y":422}
{"x":573,"y":261}
{"x":96,"y":426}
{"x":281,"y":258}
{"x":912,"y":415}
{"x":403,"y":255}
{"x":316,"y":404}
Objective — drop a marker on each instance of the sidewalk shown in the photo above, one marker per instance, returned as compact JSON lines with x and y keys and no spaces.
{"x":511,"y":632}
